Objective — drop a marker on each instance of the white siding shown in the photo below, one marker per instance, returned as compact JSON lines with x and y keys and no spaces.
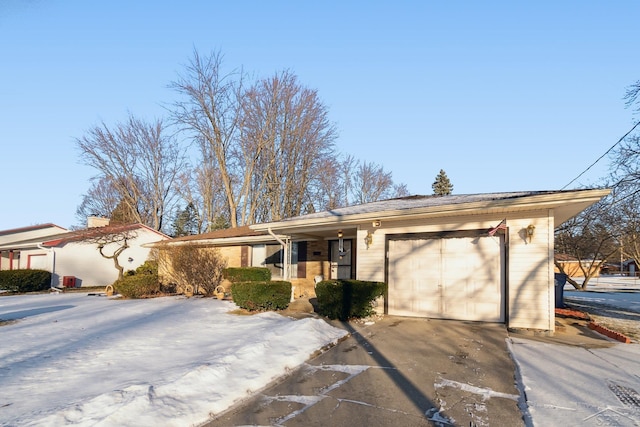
{"x":91,"y":269}
{"x":531,"y":287}
{"x":530,"y":293}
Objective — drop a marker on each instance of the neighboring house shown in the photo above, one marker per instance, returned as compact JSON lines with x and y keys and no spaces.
{"x":480,"y":257}
{"x":571,"y":265}
{"x":11,"y":259}
{"x":69,"y":257}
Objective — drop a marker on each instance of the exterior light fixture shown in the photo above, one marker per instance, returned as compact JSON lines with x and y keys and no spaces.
{"x":368,"y":239}
{"x":530,"y":230}
{"x":376,"y":223}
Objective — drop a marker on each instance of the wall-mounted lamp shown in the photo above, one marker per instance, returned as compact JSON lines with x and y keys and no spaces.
{"x":368,"y":239}
{"x":339,"y":234}
{"x":376,"y":223}
{"x":340,"y":243}
{"x":530,"y":230}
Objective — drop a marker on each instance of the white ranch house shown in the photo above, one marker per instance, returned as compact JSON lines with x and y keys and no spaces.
{"x":477,"y":257}
{"x":72,"y":261}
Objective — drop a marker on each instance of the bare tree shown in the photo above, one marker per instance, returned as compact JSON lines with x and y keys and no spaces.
{"x":591,"y":238}
{"x":210,"y":109}
{"x":111,"y":241}
{"x":101,"y":199}
{"x":200,"y":267}
{"x":140,"y":162}
{"x":371,"y":183}
{"x":287,"y":131}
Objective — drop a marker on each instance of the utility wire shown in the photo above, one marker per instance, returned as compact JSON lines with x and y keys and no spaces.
{"x":600,"y":158}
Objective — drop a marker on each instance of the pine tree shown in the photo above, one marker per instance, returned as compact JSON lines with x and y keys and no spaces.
{"x":186,"y":222}
{"x":442,"y":186}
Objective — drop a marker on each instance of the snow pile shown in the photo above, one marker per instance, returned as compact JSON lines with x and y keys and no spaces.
{"x":85,"y":360}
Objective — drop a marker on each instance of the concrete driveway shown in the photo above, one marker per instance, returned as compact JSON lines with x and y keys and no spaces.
{"x":395,"y":372}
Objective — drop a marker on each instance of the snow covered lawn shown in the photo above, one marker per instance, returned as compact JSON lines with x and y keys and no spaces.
{"x":75,"y":359}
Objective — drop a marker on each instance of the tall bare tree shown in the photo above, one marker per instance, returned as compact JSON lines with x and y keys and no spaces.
{"x":140,"y":161}
{"x":101,"y":199}
{"x":287,"y":130}
{"x":210,"y":109}
{"x":371,"y":183}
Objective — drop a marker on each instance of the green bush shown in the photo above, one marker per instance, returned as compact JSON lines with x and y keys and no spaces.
{"x":138,"y":285}
{"x":149,"y":267}
{"x":346,"y":299}
{"x":25,"y":280}
{"x":143,"y":282}
{"x":247,"y":274}
{"x":262,"y":296}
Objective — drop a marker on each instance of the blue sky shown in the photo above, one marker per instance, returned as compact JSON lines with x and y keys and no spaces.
{"x":503,"y":96}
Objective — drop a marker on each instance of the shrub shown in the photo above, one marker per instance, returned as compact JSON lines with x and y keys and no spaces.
{"x":199,"y":267}
{"x":138,"y":285}
{"x":262,"y":296}
{"x":247,"y":274}
{"x":143,"y":282}
{"x":345,"y":299}
{"x":25,"y":280}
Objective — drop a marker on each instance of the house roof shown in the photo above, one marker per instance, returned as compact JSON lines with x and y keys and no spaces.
{"x":564,"y":205}
{"x":29,"y":228}
{"x":78,"y":235}
{"x":230,"y":236}
{"x":57,"y":239}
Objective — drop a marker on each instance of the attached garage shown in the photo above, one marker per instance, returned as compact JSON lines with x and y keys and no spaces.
{"x":454,"y":275}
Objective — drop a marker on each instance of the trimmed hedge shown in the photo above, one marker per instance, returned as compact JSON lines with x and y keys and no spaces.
{"x":247,"y":274}
{"x":25,"y":280}
{"x":346,"y":299}
{"x":262,"y":296}
{"x":143,"y":282}
{"x":138,"y":285}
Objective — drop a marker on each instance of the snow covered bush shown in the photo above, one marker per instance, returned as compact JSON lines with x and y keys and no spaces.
{"x":262,"y":296}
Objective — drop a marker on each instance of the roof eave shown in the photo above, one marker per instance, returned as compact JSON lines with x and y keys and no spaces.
{"x":532,"y":202}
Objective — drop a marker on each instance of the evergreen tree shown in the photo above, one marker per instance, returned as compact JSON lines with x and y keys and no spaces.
{"x":442,"y":186}
{"x":186,"y":222}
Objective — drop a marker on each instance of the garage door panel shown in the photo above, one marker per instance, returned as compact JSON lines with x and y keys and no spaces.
{"x":456,"y":278}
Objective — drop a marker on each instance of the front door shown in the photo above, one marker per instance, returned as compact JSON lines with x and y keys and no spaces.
{"x":341,"y":261}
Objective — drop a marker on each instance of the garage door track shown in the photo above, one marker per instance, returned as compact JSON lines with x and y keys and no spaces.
{"x":398,"y":371}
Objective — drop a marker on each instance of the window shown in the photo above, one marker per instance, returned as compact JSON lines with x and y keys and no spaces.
{"x":272,"y":257}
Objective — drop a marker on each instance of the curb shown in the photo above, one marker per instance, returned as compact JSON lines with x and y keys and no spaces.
{"x":608,"y":332}
{"x":577,"y":314}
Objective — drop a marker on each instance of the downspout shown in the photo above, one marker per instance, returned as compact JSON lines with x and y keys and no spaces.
{"x":285,"y":258}
{"x":53,"y":260}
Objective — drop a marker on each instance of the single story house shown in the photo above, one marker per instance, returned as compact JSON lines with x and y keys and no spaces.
{"x":69,"y":255}
{"x":572,"y":266}
{"x":476,"y":257}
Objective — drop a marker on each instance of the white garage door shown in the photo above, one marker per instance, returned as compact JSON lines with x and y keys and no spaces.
{"x":450,"y":278}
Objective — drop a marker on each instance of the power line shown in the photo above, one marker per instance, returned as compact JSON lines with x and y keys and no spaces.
{"x":600,"y":158}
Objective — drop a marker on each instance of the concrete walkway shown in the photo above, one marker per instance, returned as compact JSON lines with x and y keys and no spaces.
{"x":395,"y":372}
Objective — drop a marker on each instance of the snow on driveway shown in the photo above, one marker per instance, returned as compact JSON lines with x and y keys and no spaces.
{"x":570,"y":386}
{"x":75,"y":359}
